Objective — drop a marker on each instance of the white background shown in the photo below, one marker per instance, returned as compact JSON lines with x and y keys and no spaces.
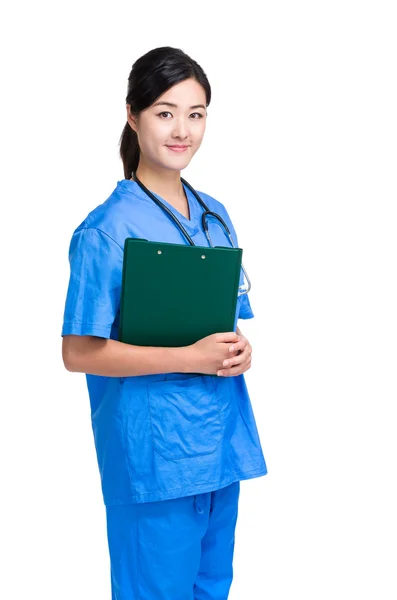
{"x":301,"y":148}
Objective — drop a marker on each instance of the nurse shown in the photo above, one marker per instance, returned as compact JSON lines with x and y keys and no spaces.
{"x":174,"y":428}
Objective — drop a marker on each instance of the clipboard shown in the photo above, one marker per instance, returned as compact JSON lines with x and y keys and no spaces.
{"x":172,"y":295}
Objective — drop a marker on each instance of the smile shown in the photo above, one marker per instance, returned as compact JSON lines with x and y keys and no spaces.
{"x":178,"y":148}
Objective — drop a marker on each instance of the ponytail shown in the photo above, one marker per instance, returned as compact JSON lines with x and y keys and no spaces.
{"x":129,"y":150}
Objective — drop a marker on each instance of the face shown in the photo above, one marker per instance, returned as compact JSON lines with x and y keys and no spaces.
{"x":176,"y":118}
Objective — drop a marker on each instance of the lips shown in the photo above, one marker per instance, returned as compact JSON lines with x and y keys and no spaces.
{"x":177,"y":148}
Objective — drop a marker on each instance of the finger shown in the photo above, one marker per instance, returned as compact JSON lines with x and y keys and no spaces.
{"x":237,"y":360}
{"x":238,"y":345}
{"x":233,"y":371}
{"x":229,"y":336}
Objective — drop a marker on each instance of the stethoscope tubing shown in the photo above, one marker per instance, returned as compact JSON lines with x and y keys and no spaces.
{"x":204,"y":222}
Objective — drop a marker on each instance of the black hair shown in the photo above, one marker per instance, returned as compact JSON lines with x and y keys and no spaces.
{"x":152,"y":75}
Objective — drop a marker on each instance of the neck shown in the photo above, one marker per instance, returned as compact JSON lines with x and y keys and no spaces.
{"x":164,"y":182}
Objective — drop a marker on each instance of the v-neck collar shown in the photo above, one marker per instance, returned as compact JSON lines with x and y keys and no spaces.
{"x":191,"y":225}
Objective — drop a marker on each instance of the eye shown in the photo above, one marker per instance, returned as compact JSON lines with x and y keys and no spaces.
{"x":167,"y":112}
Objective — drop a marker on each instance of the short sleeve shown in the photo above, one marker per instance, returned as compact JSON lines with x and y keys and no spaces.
{"x":93,"y":294}
{"x":245,"y":308}
{"x":245,"y":311}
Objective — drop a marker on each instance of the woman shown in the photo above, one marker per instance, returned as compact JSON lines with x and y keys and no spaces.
{"x":170,"y":485}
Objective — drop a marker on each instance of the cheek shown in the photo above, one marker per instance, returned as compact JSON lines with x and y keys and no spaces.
{"x":153,"y":136}
{"x":200,"y":131}
{"x":151,"y":147}
{"x":197,"y":139}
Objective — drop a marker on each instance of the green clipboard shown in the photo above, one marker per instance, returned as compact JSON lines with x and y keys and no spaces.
{"x":172,"y":295}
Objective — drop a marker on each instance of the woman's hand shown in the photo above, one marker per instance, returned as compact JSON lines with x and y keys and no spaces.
{"x":208,"y":354}
{"x":241,"y":362}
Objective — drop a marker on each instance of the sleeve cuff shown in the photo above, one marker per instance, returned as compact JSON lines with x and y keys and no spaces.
{"x":246,"y":314}
{"x":73,"y":328}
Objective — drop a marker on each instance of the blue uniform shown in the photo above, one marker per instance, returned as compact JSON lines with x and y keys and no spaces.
{"x":162,"y":436}
{"x":176,"y":549}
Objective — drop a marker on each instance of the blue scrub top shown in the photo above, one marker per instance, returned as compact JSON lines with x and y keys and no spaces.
{"x":159,"y":436}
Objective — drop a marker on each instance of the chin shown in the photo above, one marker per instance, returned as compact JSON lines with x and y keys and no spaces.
{"x":177,"y":165}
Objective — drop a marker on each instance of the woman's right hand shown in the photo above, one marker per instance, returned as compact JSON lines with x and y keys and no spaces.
{"x":209,"y":353}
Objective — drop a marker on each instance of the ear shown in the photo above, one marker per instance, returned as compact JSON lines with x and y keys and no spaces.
{"x":130,"y":118}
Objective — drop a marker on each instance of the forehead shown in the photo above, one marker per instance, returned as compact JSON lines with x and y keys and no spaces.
{"x":185,"y":94}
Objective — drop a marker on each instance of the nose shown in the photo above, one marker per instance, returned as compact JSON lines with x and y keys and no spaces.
{"x":181,"y":128}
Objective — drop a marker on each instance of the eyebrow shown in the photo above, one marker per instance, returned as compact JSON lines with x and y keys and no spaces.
{"x":176,"y":106}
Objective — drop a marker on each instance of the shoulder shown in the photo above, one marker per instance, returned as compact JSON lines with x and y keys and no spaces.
{"x":108,"y":220}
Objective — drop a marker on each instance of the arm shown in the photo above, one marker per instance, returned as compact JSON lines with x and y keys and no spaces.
{"x":91,"y":306}
{"x":111,"y":358}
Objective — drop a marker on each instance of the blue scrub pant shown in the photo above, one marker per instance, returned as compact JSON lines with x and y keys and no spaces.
{"x":178,"y":549}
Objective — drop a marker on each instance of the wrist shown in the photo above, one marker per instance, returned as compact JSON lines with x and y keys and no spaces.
{"x":188,"y":359}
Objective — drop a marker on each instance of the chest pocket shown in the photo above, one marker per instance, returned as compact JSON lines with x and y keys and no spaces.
{"x":185,"y":417}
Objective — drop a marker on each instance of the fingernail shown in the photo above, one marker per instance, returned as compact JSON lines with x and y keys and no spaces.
{"x":225,"y":363}
{"x":231,"y":348}
{"x":219,"y":373}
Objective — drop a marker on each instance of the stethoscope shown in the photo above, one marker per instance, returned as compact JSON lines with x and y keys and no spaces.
{"x":204,"y":222}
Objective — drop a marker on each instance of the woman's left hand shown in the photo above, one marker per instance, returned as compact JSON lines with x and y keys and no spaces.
{"x":235,"y":365}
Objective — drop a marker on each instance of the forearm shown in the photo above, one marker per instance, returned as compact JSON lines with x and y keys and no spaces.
{"x":111,"y":358}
